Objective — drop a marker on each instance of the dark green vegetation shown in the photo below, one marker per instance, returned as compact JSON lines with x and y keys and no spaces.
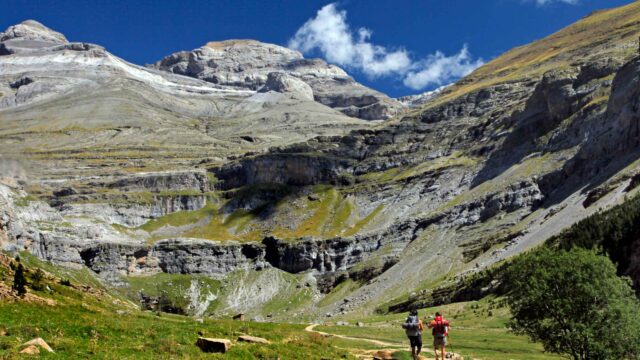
{"x":615,"y":231}
{"x":574,"y":303}
{"x":19,"y":281}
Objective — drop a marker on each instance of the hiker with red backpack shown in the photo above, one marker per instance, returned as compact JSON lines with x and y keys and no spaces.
{"x":413,"y":328}
{"x":440,"y":330}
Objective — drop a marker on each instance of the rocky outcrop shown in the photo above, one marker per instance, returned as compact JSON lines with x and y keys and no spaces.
{"x":287,"y":84}
{"x":169,"y":181}
{"x":623,"y":111}
{"x":247,"y":64}
{"x":525,"y":195}
{"x":286,"y":168}
{"x":32,"y":30}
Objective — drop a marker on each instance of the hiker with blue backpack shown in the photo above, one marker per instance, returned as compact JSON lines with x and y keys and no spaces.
{"x":413,"y":328}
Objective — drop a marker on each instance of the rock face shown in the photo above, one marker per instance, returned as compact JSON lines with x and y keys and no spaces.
{"x":247,"y":64}
{"x":32,"y":30}
{"x":287,"y":84}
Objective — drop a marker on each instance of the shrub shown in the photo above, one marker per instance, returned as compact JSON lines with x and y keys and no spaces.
{"x":36,"y":280}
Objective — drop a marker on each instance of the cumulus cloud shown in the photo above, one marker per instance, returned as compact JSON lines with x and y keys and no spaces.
{"x":330,"y":33}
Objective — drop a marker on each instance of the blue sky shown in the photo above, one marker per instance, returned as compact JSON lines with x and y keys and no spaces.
{"x":408,"y":46}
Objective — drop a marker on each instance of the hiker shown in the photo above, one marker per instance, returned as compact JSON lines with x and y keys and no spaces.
{"x":413,"y":328}
{"x":440,"y":330}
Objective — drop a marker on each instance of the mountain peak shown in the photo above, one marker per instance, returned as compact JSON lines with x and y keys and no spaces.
{"x":32,"y":30}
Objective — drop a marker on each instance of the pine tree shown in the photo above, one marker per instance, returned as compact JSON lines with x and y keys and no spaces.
{"x":19,"y":281}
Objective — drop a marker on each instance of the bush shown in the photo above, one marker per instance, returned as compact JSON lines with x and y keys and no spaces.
{"x":574,"y":304}
{"x":36,"y":280}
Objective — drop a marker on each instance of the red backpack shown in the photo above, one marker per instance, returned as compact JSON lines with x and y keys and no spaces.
{"x":439,"y":326}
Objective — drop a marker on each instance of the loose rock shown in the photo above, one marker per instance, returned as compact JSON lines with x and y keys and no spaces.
{"x":209,"y":345}
{"x":38,"y":342}
{"x":253,"y":339}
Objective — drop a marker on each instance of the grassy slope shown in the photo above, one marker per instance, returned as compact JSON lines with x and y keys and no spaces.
{"x":330,"y":213}
{"x":478,"y":331}
{"x":87,"y":323}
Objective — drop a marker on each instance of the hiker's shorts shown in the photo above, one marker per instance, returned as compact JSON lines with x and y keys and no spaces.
{"x":439,"y":341}
{"x":415,"y":341}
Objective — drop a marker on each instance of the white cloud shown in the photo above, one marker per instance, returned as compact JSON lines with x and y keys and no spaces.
{"x":437,"y":69}
{"x":330,"y":33}
{"x":545,"y":2}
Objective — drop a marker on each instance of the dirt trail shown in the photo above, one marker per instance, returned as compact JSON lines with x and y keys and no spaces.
{"x":310,"y":328}
{"x":386,"y":346}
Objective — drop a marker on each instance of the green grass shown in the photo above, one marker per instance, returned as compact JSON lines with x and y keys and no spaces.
{"x":76,"y":330}
{"x":180,"y":218}
{"x":86,"y":324}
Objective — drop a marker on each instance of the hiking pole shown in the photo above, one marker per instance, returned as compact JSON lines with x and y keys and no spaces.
{"x":450,"y":344}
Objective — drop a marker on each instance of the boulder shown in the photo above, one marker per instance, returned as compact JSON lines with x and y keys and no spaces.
{"x":287,"y":84}
{"x":38,"y":342}
{"x":209,"y":345}
{"x":253,"y":339}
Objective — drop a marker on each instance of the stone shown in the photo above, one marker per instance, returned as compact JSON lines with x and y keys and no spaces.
{"x":359,"y":324}
{"x":383,"y":355}
{"x":210,"y":345}
{"x":65,"y":192}
{"x":40,"y":343}
{"x":30,"y":350}
{"x":253,"y":339}
{"x":342,"y":323}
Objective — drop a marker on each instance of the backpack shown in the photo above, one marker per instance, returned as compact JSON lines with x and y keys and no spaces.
{"x":440,"y":327}
{"x":411,"y":326}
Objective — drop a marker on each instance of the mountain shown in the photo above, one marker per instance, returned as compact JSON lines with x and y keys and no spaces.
{"x":61,"y":98}
{"x":213,"y":163}
{"x":246,"y":64}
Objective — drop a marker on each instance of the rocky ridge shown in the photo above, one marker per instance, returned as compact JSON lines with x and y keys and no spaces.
{"x":249,"y":64}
